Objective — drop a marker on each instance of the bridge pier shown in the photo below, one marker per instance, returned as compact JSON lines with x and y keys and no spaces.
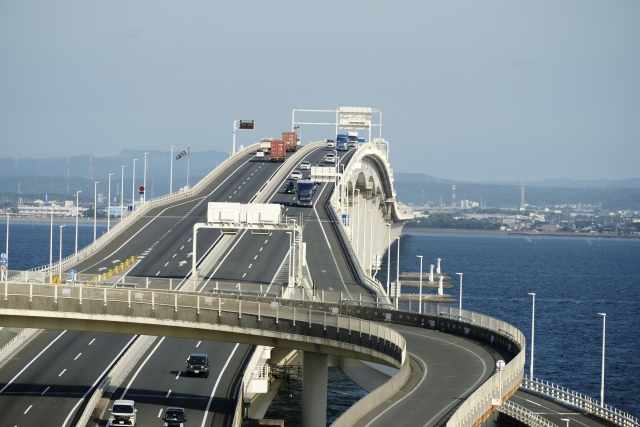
{"x":314,"y":389}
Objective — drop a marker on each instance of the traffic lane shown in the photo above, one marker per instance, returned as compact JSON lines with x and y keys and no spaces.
{"x":160,"y":381}
{"x":452,"y":368}
{"x":553,"y":411}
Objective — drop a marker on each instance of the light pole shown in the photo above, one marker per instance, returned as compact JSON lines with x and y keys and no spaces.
{"x":397,"y":273}
{"x":290,"y":252}
{"x":122,"y":193}
{"x":51,"y":247}
{"x":298,"y":127}
{"x":533,"y":322}
{"x":6,"y":251}
{"x":233,"y":150}
{"x":358,"y":229}
{"x":604,"y":330}
{"x":109,"y":205}
{"x":370,"y":260}
{"x":460,"y":302}
{"x":364,"y":237}
{"x":144,"y":179}
{"x":388,"y":256}
{"x":95,"y":207}
{"x":60,"y":261}
{"x":133,"y":187}
{"x":500,"y":367}
{"x":77,"y":208}
{"x":171,"y":172}
{"x":420,"y":303}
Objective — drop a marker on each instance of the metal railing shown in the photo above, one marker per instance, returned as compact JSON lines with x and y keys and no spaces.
{"x":524,"y":415}
{"x":579,"y":401}
{"x":16,"y":342}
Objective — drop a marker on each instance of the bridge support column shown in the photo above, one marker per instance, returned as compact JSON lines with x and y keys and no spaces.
{"x":314,"y":389}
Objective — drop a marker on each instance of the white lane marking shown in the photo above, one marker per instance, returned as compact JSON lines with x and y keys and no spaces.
{"x":288,"y":208}
{"x":239,"y":187}
{"x":198,"y":345}
{"x":261,"y":249}
{"x":174,"y":255}
{"x":255,"y":257}
{"x":34,"y":359}
{"x":160,"y":413}
{"x":107,"y":369}
{"x":244,"y":275}
{"x":181,"y":263}
{"x":546,"y":407}
{"x":92,"y":341}
{"x":178,"y":376}
{"x":25,"y":412}
{"x":265,"y":242}
{"x":76,"y":358}
{"x":183,"y":246}
{"x":250,"y":265}
{"x":168,"y":393}
{"x":45,"y":390}
{"x":124,"y":393}
{"x":157,"y":273}
{"x":213,"y":273}
{"x":229,"y":196}
{"x":167,"y":263}
{"x":189,"y":240}
{"x":206,"y":412}
{"x":63,"y":371}
{"x":235,"y":192}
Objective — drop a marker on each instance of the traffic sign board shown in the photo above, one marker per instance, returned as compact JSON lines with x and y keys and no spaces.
{"x":141,"y":189}
{"x":72,"y":274}
{"x":3,"y":267}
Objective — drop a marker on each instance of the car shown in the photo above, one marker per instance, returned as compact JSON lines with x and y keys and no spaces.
{"x":330,"y":158}
{"x":198,"y":363}
{"x":331,"y":143}
{"x":259,"y":153}
{"x":290,"y":188}
{"x":296,"y":175}
{"x":123,"y":413}
{"x":174,"y":417}
{"x":304,"y":165}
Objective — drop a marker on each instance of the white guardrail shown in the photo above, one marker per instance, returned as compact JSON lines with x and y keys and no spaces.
{"x":572,"y":398}
{"x":16,"y":342}
{"x":524,"y":415}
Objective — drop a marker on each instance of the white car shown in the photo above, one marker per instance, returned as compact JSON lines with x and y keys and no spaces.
{"x":296,"y":175}
{"x":260,"y":153}
{"x":330,"y":158}
{"x":305,"y":165}
{"x":331,"y":144}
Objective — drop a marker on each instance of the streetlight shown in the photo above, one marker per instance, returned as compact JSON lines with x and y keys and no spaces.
{"x":500,"y":367}
{"x":290,"y":250}
{"x":533,"y":322}
{"x":388,"y":256}
{"x":420,"y":303}
{"x":370,"y":260}
{"x":364,"y":236}
{"x":358,"y":214}
{"x":60,"y":261}
{"x":51,"y":246}
{"x":144,"y":179}
{"x":122,"y":192}
{"x":77,"y":209}
{"x":298,"y":127}
{"x":133,"y":187}
{"x":460,"y":308}
{"x":233,"y":151}
{"x":604,"y":329}
{"x":109,"y":205}
{"x":397,"y":272}
{"x":171,"y":172}
{"x":6,"y":251}
{"x":95,"y":207}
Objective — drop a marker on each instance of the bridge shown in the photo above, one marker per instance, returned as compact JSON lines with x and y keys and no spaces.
{"x":346,"y":319}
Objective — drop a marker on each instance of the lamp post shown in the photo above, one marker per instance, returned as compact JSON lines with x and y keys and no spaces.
{"x":144,"y":179}
{"x":51,"y":247}
{"x":233,"y":149}
{"x":60,"y":253}
{"x":133,"y":187}
{"x":533,"y":322}
{"x":6,"y":251}
{"x":290,"y":251}
{"x":171,"y":172}
{"x":122,"y":193}
{"x":364,"y":237}
{"x":388,"y":256}
{"x":420,"y":303}
{"x":358,"y":214}
{"x":298,"y":127}
{"x":604,"y":330}
{"x":460,"y":302}
{"x":95,"y":207}
{"x":397,"y":273}
{"x":500,"y":368}
{"x":109,"y":205}
{"x":370,"y":259}
{"x":77,"y":208}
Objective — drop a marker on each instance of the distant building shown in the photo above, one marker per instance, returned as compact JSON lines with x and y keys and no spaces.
{"x":40,"y":209}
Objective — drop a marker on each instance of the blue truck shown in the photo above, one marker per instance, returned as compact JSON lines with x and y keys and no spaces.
{"x":306,"y":192}
{"x":342,"y":142}
{"x":361,"y":141}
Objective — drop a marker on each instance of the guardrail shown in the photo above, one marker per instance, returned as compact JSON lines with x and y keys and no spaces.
{"x":579,"y":401}
{"x":524,"y":415}
{"x":16,"y":342}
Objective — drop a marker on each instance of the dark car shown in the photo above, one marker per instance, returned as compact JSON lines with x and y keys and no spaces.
{"x":175,"y":417}
{"x":198,"y":363}
{"x":290,"y":188}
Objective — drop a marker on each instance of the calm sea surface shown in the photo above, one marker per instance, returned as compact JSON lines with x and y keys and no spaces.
{"x":574,"y":279}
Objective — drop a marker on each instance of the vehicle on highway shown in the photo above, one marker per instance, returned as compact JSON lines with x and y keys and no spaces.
{"x":198,"y":363}
{"x":278,"y":150}
{"x":174,"y":417}
{"x":331,"y":143}
{"x":330,"y":158}
{"x":260,"y":153}
{"x":305,"y":165}
{"x":123,"y":413}
{"x":306,"y":190}
{"x":290,"y":188}
{"x":342,"y":142}
{"x":296,"y":175}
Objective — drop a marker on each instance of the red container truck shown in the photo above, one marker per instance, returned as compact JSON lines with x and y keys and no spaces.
{"x":278,"y":150}
{"x":291,"y":139}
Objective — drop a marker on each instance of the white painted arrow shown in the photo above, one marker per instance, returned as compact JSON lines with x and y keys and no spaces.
{"x":102,"y":268}
{"x":189,"y":254}
{"x":181,"y":263}
{"x":115,"y":261}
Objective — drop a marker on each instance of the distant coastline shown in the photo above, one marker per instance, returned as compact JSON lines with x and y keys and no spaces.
{"x":514,"y":233}
{"x":58,"y":220}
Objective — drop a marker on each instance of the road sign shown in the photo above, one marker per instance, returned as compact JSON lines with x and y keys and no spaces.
{"x":141,"y":189}
{"x":3,"y":267}
{"x":246,"y":124}
{"x":184,"y":153}
{"x":72,"y":274}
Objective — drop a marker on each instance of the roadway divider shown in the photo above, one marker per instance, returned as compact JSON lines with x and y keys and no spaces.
{"x":524,"y":416}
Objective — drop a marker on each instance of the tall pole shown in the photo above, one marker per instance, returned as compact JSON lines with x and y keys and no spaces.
{"x":144,"y":179}
{"x":420,"y":302}
{"x":188,"y":164}
{"x":77,"y":208}
{"x":109,"y":205}
{"x":60,"y":253}
{"x":364,"y":238}
{"x":460,"y":302}
{"x":171,"y":172}
{"x":6,"y":250}
{"x":533,"y":323}
{"x":233,"y":148}
{"x":604,"y":330}
{"x":290,"y":250}
{"x":358,"y":229}
{"x":122,"y":193}
{"x":51,"y":247}
{"x":388,"y":256}
{"x":397,"y":273}
{"x":133,"y":187}
{"x":370,"y":260}
{"x":95,"y":207}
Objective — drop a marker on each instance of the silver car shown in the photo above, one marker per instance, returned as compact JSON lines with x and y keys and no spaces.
{"x":330,"y":158}
{"x":296,"y":175}
{"x":304,"y":165}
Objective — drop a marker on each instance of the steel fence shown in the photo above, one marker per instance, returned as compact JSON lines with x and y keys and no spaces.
{"x":524,"y":415}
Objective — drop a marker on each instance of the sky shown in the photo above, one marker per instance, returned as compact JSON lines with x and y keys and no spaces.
{"x":473,"y":91}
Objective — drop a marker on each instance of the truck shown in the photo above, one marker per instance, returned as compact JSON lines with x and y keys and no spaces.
{"x":278,"y":150}
{"x":291,"y":139}
{"x":123,"y":413}
{"x":265,"y":144}
{"x":305,"y":192}
{"x":342,"y":142}
{"x":361,"y":141}
{"x":353,"y":138}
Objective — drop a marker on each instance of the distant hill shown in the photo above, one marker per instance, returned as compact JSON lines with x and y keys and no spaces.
{"x":556,"y":183}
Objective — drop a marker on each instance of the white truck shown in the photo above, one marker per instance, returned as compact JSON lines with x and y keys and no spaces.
{"x":265,"y":144}
{"x":123,"y":413}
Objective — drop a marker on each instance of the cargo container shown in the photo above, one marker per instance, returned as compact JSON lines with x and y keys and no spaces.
{"x":265,"y":144}
{"x":291,"y":139}
{"x":278,"y":150}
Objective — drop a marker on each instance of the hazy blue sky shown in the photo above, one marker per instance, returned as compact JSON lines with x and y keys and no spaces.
{"x":486,"y":90}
